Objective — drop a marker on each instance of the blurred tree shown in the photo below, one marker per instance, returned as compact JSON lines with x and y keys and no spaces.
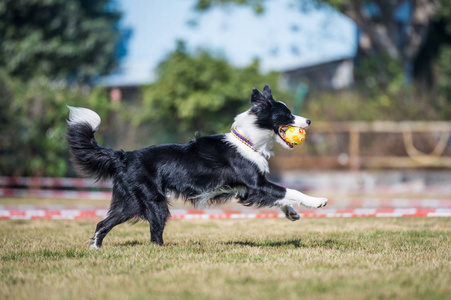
{"x":400,"y":40}
{"x":200,"y":91}
{"x":376,"y":19}
{"x":33,"y":124}
{"x":76,"y":40}
{"x":384,"y":34}
{"x":442,"y":65}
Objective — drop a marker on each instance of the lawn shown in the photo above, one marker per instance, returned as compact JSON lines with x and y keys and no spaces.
{"x":372,"y":258}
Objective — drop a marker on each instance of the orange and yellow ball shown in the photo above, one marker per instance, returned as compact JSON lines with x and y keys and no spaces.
{"x":295,"y":135}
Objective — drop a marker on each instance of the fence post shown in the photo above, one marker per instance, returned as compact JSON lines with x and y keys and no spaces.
{"x":354,"y":149}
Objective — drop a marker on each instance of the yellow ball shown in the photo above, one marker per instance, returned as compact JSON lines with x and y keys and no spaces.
{"x":295,"y":135}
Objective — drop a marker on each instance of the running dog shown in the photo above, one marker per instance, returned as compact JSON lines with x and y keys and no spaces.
{"x":207,"y":170}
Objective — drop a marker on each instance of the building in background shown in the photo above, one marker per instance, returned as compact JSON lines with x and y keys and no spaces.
{"x":333,"y":75}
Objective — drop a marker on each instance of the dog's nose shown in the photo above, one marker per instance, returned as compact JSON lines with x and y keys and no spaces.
{"x":308,"y":122}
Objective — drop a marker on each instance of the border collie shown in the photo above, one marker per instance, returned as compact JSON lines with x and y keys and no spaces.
{"x":206,"y":170}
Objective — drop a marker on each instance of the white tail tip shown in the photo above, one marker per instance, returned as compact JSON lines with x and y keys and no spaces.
{"x":79,"y":115}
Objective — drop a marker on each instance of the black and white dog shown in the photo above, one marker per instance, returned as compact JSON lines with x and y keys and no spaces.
{"x":206,"y":170}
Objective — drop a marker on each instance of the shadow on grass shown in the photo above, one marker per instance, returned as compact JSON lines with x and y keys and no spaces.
{"x":129,"y":243}
{"x":296,"y":243}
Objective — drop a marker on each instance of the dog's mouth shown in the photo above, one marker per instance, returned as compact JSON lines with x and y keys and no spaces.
{"x":281,"y":132}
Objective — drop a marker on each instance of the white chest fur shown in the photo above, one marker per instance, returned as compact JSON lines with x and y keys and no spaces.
{"x":255,"y":157}
{"x":262,"y":140}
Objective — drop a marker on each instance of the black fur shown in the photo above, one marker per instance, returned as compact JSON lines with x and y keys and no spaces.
{"x":271,"y":114}
{"x":90,"y":159}
{"x":142,"y":178}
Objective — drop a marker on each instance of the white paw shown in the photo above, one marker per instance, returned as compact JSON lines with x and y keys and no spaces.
{"x":94,"y":246}
{"x":290,"y":213}
{"x":315,"y":202}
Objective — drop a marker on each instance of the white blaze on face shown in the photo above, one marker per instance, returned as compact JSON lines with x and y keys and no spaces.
{"x":300,"y":122}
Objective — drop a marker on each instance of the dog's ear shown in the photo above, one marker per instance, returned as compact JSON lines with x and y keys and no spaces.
{"x":267,"y":92}
{"x":257,"y":98}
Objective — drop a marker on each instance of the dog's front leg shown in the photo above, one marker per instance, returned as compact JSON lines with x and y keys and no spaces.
{"x":293,"y":197}
{"x":269,"y":194}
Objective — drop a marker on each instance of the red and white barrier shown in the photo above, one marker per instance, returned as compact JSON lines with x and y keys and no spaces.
{"x":65,"y":214}
{"x":324,"y":213}
{"x":55,"y":194}
{"x":338,"y":202}
{"x":390,"y":202}
{"x":54,"y":182}
{"x":14,"y":186}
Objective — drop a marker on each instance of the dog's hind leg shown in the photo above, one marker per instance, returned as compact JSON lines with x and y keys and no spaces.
{"x":157,"y":213}
{"x":105,"y":226}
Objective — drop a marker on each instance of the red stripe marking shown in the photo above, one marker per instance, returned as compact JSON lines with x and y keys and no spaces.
{"x":17,"y":212}
{"x":91,"y":214}
{"x":195,"y":212}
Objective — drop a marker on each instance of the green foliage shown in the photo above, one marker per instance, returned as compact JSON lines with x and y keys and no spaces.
{"x":381,"y":94}
{"x":361,"y":106}
{"x":443,"y":65}
{"x":340,"y":5}
{"x":380,"y":74}
{"x":445,"y":72}
{"x":70,"y":39}
{"x":33,"y":127}
{"x":44,"y":45}
{"x":445,"y":12}
{"x":200,"y":92}
{"x":256,"y":5}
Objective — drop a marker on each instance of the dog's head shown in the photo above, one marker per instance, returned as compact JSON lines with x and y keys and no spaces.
{"x":274,"y":115}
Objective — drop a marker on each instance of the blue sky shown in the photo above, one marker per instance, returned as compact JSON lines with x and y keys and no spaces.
{"x":283,"y":38}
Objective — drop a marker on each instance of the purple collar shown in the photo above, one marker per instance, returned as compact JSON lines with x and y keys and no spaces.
{"x":243,"y":139}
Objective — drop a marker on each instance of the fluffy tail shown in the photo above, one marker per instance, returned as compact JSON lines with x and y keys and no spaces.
{"x":89,"y":158}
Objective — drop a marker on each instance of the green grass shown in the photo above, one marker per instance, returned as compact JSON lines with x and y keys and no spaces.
{"x":362,"y":258}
